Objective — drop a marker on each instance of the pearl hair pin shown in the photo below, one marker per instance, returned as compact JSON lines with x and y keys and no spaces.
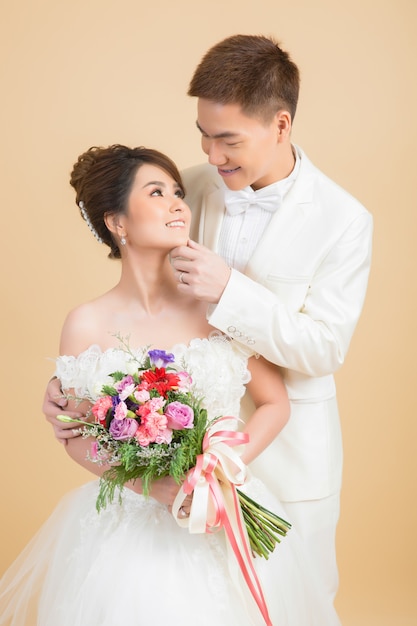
{"x":88,"y":221}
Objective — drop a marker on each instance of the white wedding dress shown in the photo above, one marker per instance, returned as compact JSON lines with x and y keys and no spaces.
{"x":131,"y":564}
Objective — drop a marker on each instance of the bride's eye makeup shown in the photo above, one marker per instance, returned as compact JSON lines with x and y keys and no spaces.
{"x":179,"y":193}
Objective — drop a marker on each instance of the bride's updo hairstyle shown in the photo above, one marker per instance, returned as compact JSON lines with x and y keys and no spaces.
{"x":103,"y":179}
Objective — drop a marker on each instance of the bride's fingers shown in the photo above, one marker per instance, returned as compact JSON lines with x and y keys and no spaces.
{"x":182,"y":512}
{"x":186,"y":505}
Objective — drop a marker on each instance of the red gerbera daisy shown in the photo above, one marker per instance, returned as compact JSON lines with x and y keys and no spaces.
{"x":161,"y":380}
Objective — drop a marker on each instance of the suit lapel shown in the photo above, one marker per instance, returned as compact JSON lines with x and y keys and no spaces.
{"x":212,"y":216}
{"x":286,"y":222}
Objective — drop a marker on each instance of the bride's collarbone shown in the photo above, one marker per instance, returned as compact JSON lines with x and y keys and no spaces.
{"x":159,"y":334}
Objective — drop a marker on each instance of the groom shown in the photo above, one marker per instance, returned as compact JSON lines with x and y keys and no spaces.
{"x":282,"y":260}
{"x":284,"y":268}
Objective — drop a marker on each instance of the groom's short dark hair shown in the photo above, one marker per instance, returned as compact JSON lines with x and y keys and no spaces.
{"x":249,"y":70}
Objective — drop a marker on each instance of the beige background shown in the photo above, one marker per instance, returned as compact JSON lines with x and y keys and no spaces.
{"x":85,"y":72}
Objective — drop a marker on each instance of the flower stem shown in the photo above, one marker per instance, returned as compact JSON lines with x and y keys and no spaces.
{"x":264,"y":528}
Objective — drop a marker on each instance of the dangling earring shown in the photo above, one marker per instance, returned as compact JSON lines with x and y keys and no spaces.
{"x":123,"y":241}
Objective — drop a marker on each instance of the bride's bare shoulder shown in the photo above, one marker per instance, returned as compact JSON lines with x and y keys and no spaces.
{"x":83,"y":326}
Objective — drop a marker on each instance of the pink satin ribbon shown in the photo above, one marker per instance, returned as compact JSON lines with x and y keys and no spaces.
{"x":215,"y":502}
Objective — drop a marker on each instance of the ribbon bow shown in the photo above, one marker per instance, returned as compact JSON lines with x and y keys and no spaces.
{"x":215,"y":501}
{"x":239,"y":201}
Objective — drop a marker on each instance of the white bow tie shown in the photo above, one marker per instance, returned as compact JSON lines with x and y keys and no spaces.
{"x":239,"y":201}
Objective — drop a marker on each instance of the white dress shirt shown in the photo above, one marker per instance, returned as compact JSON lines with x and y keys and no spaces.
{"x":241,"y":232}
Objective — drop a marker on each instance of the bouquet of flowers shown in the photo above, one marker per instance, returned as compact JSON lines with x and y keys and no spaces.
{"x":149,"y":424}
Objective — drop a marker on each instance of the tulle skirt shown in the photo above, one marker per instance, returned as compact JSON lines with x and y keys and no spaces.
{"x":132,"y":565}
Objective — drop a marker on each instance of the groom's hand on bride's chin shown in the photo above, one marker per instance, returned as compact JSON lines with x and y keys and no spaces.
{"x":200,"y":272}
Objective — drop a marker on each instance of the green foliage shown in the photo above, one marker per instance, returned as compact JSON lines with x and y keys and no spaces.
{"x":184,"y":457}
{"x":107,"y":390}
{"x":155,"y":461}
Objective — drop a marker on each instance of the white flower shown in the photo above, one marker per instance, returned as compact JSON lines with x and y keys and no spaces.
{"x":131,"y":367}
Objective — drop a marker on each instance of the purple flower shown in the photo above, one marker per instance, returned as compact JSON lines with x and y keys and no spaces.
{"x":123,"y":429}
{"x":179,"y":416}
{"x":125,"y":387}
{"x":160,"y":358}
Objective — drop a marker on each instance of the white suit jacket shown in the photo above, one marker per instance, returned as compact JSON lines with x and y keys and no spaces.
{"x":297,"y":305}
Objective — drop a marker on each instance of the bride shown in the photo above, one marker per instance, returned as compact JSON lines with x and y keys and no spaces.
{"x":132,"y":564}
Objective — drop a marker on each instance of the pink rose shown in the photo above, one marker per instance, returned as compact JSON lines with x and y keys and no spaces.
{"x":100,"y":408}
{"x":120,"y":411}
{"x":141,"y":396}
{"x":156,"y":404}
{"x":185,"y":381}
{"x":123,"y":428}
{"x":179,"y":416}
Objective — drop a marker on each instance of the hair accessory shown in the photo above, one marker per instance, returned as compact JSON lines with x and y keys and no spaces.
{"x":123,"y":241}
{"x":88,"y":221}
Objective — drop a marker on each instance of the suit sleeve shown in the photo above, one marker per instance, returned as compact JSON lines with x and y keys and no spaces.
{"x":314,"y":339}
